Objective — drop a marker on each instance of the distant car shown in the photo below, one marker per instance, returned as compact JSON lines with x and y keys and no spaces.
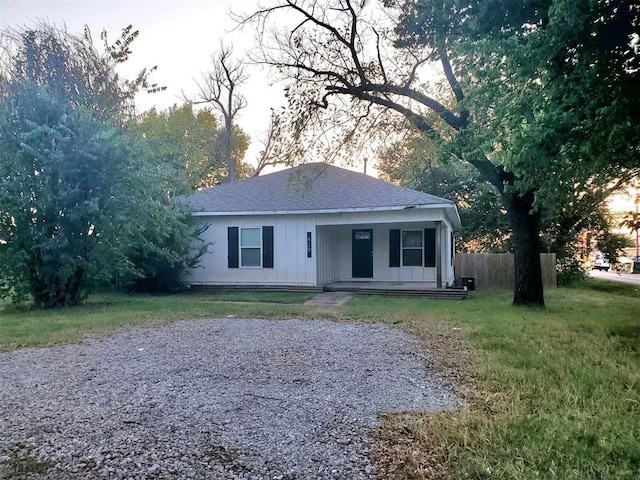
{"x":601,"y":263}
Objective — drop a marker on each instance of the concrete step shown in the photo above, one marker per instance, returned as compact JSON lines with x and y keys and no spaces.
{"x":448,"y":294}
{"x":437,"y":294}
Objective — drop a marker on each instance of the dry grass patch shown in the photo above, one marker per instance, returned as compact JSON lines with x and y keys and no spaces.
{"x":410,"y":445}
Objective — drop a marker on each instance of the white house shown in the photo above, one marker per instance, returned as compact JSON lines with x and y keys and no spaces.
{"x":317,"y":224}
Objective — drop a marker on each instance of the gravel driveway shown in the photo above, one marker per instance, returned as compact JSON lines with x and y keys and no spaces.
{"x":210,"y":399}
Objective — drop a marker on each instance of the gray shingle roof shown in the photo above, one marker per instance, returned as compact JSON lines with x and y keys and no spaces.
{"x":312,"y":186}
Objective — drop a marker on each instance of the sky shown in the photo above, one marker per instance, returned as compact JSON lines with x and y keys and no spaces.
{"x":179,"y":36}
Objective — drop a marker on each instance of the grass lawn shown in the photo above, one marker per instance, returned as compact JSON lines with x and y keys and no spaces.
{"x":29,"y":327}
{"x":551,"y":394}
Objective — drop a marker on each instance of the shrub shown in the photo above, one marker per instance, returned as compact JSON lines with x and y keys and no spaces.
{"x":570,"y":272}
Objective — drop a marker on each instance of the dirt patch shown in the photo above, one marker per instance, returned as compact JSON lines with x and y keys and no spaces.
{"x":410,"y":445}
{"x":329,"y":299}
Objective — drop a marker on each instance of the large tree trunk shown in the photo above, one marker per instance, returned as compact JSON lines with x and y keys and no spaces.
{"x":525,"y":226}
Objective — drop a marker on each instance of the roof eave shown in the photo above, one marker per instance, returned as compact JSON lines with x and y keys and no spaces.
{"x":455,"y":218}
{"x":446,"y":205}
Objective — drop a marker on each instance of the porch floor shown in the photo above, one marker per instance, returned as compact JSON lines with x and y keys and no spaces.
{"x":355,"y":285}
{"x":401,"y":289}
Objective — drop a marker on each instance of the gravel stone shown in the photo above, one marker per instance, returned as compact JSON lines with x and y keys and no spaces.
{"x":210,"y":399}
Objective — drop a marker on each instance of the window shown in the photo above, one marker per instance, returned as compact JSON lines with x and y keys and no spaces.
{"x":412,"y":248}
{"x":408,"y":248}
{"x":250,"y":247}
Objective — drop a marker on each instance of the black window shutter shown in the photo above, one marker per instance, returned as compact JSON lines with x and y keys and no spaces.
{"x":394,"y":248}
{"x":267,"y":247}
{"x":429,"y":247}
{"x":232,"y":241}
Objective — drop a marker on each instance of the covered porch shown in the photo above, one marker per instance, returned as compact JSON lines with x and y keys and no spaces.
{"x":409,"y":256}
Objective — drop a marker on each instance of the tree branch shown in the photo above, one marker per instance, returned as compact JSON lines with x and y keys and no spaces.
{"x":448,"y":72}
{"x":380,"y":62}
{"x":495,"y":175}
{"x":443,"y":112}
{"x":420,"y":122}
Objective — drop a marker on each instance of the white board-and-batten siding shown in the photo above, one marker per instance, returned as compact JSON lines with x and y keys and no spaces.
{"x":290,"y":262}
{"x":330,"y":247}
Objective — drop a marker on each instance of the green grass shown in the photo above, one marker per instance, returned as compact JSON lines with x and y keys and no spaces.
{"x":625,"y":289}
{"x":258,"y":297}
{"x":29,"y":327}
{"x":550,"y":394}
{"x":556,"y":393}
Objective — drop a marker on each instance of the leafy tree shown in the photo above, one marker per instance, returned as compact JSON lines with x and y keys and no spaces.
{"x":161,"y":247}
{"x":416,"y":163}
{"x":511,"y":103}
{"x":63,"y":179}
{"x":78,"y":195}
{"x":239,"y":144}
{"x":72,"y":66}
{"x":188,"y":143}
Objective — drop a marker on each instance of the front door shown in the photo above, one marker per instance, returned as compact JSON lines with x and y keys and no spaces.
{"x":362,"y":253}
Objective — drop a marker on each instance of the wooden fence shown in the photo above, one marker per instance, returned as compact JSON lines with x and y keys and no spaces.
{"x":496,"y":269}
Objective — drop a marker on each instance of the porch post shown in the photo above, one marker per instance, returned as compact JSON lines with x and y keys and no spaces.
{"x":439,"y":254}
